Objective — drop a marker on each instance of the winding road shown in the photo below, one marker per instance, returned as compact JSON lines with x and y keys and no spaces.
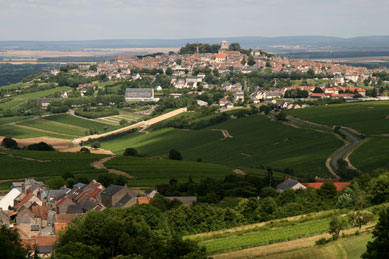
{"x":351,"y":142}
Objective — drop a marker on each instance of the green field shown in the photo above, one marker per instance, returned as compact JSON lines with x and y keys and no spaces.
{"x":17,"y":132}
{"x":79,"y":122}
{"x":257,"y":141}
{"x":265,"y":236}
{"x":152,"y":171}
{"x":372,"y":155}
{"x":19,"y":99}
{"x":7,"y":120}
{"x":366,"y":117}
{"x":54,"y":126}
{"x":351,"y":248}
{"x":123,"y":115}
{"x":56,"y":164}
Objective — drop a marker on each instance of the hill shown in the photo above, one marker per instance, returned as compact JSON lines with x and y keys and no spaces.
{"x":253,"y":141}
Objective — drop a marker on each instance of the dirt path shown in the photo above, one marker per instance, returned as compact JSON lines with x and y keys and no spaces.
{"x":239,"y":171}
{"x":45,"y":131}
{"x":134,"y":126}
{"x":25,"y":158}
{"x":280,"y":247}
{"x":226,"y":133}
{"x":99,"y":164}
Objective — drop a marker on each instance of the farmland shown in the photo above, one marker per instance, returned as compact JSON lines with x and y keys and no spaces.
{"x":372,"y":155}
{"x":256,"y":141}
{"x":264,"y":236}
{"x":152,"y":171}
{"x":351,"y":248}
{"x":19,"y":99}
{"x":366,"y":117}
{"x":79,"y":122}
{"x":18,"y":132}
{"x":14,"y":164}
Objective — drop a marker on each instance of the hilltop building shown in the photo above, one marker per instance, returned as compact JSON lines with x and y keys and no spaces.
{"x":140,"y":94}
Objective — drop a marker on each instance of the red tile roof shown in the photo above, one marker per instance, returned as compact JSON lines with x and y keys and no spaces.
{"x":339,"y":185}
{"x":144,"y":200}
{"x":65,"y":218}
{"x":25,"y":199}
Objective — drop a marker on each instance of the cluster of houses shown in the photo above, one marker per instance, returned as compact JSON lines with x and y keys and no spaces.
{"x":296,"y":185}
{"x":39,"y":214}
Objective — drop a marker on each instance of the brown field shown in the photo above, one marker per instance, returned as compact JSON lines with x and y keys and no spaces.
{"x":379,"y":59}
{"x":28,"y":54}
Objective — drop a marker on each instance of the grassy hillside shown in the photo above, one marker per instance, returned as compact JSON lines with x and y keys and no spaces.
{"x":367,"y":117}
{"x":351,"y":248}
{"x":152,"y":171}
{"x":372,"y":155}
{"x":15,"y":165}
{"x":256,"y":141}
{"x":19,"y":99}
{"x":18,"y":132}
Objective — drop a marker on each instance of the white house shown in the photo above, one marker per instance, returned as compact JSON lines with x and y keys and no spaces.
{"x":8,"y":200}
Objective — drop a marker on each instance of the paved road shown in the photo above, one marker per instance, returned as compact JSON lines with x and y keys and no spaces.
{"x":354,"y":141}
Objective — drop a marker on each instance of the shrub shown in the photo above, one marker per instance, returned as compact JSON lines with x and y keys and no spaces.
{"x":175,"y":155}
{"x":85,"y":150}
{"x":41,"y":146}
{"x":321,"y":241}
{"x":95,"y":145}
{"x":130,"y":152}
{"x":9,"y":143}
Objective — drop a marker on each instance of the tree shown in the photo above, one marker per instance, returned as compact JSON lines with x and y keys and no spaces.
{"x":105,"y":179}
{"x":378,"y":189}
{"x":379,"y":248}
{"x":359,"y":218}
{"x":85,"y":150}
{"x":9,"y":143}
{"x":56,"y":182}
{"x":169,"y":71}
{"x":41,"y":146}
{"x":251,"y":61}
{"x":95,"y":145}
{"x":337,"y":224}
{"x":130,"y":152}
{"x":175,"y":155}
{"x":10,"y":243}
{"x":327,"y":191}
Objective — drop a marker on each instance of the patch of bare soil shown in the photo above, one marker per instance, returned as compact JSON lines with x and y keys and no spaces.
{"x":225,"y":133}
{"x":239,"y":171}
{"x":55,"y":142}
{"x":387,"y":117}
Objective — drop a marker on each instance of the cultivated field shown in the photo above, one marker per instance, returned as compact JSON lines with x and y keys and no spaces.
{"x":19,"y":99}
{"x":253,"y":141}
{"x":152,"y":171}
{"x":18,"y":132}
{"x":372,"y":155}
{"x":366,"y":117}
{"x":265,"y":236}
{"x":17,"y":164}
{"x":124,"y":115}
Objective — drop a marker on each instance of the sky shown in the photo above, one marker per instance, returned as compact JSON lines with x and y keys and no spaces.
{"x":181,"y":19}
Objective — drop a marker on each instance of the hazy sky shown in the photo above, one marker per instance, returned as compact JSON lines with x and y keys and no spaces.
{"x":171,"y":19}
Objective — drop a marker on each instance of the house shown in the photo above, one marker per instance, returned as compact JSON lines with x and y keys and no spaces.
{"x":290,"y":184}
{"x":201,"y":103}
{"x":188,"y":200}
{"x":239,"y":95}
{"x":151,"y":193}
{"x":115,"y":193}
{"x":339,"y":185}
{"x":4,"y":218}
{"x":18,"y":185}
{"x":8,"y":199}
{"x":127,"y":201}
{"x":140,"y":94}
{"x":44,"y":102}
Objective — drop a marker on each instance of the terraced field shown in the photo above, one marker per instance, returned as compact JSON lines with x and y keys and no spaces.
{"x":254,"y":141}
{"x":79,"y":122}
{"x":366,"y":117}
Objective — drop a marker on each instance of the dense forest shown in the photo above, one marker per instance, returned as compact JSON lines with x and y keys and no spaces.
{"x":10,"y":74}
